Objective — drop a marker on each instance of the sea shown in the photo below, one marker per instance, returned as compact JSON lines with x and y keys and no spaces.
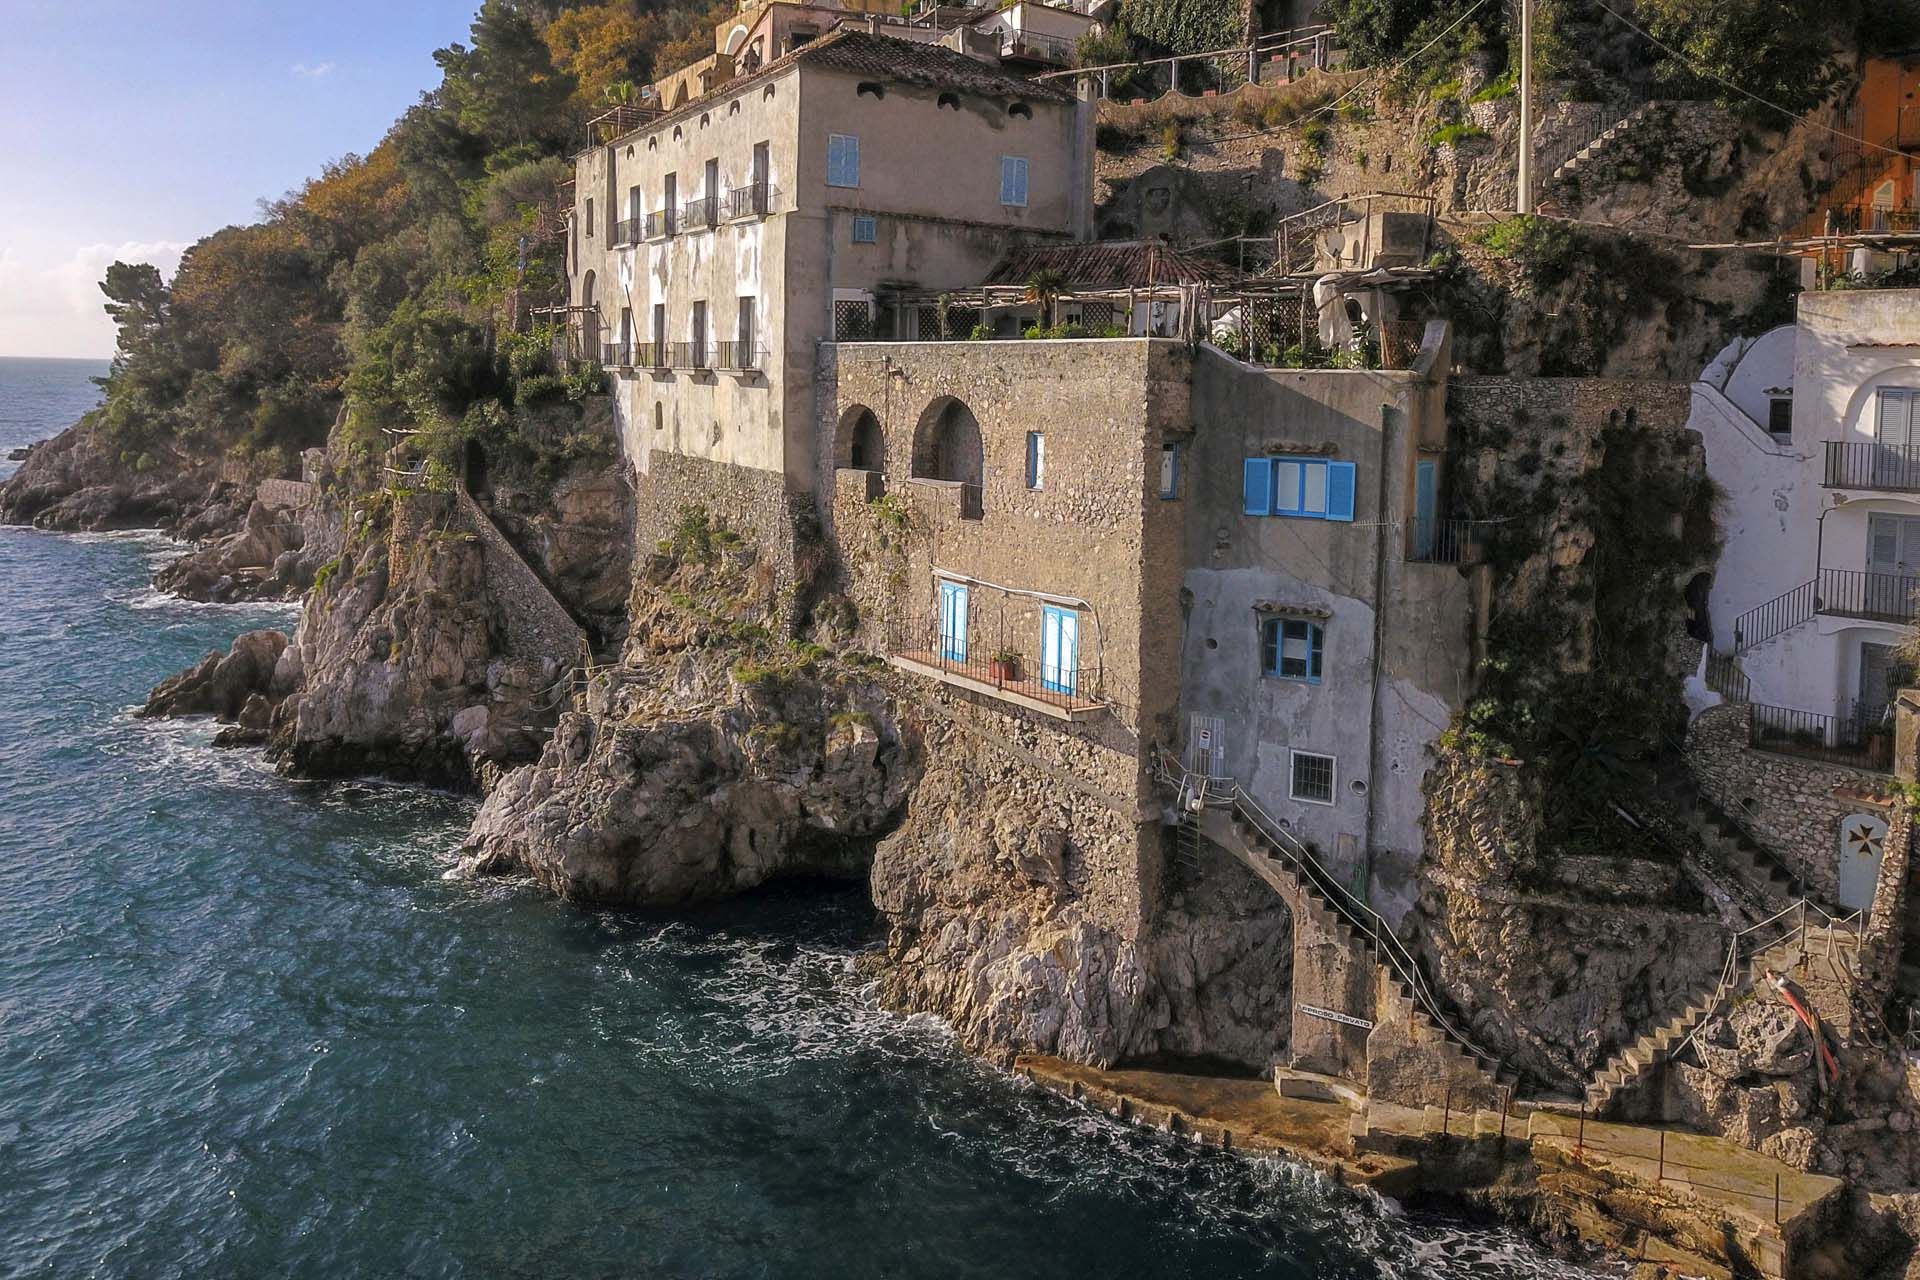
{"x":251,"y":1027}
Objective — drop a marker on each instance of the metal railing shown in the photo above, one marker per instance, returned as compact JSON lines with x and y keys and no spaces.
{"x":739,"y":357}
{"x":1033,"y":46}
{"x":1754,"y":941}
{"x":1863,"y":464}
{"x":628,"y":231}
{"x":662,"y":223}
{"x":755,"y":200}
{"x":1550,"y":155}
{"x":700,"y":213}
{"x":1861,"y":739}
{"x":993,"y":662}
{"x":689,"y":355}
{"x":1362,"y":918}
{"x":1765,"y":621}
{"x":1441,"y":542}
{"x":650,"y":355}
{"x":617,"y":355}
{"x":1862,"y":593}
{"x":1724,"y":676}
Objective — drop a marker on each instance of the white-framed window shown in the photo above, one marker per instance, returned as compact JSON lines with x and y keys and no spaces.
{"x":1896,"y":417}
{"x":1305,"y":488}
{"x":1780,"y":416}
{"x":866,"y":229}
{"x":1036,"y":460}
{"x":1311,"y":777}
{"x":1013,"y":181}
{"x":843,"y":160}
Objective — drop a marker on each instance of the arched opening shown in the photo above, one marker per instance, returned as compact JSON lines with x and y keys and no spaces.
{"x":476,"y":467}
{"x":736,"y":38}
{"x":947,"y":448}
{"x":858,"y":443}
{"x":589,"y":319}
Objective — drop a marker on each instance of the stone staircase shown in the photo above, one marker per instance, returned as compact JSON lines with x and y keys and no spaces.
{"x":1627,"y":125}
{"x":1745,"y":968}
{"x":1401,"y":994}
{"x":1768,"y":885}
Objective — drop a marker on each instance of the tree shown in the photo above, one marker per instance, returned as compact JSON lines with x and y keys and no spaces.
{"x":599,"y":46}
{"x":1780,"y":50}
{"x":505,"y":88}
{"x":137,"y":303}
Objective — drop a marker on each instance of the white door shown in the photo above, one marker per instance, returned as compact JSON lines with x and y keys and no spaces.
{"x":1863,"y":840}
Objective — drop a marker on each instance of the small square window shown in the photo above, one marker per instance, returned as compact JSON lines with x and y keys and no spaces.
{"x":1312,"y":779}
{"x":1780,"y":416}
{"x":1291,"y":648}
{"x":865,"y":230}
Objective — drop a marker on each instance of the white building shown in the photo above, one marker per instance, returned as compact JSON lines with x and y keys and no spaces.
{"x":1813,"y":431}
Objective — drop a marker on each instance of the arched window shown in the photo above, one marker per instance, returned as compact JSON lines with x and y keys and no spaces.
{"x":950,"y":100}
{"x":946,"y":447}
{"x":870,"y":88}
{"x":858,"y":443}
{"x":1021,"y":110}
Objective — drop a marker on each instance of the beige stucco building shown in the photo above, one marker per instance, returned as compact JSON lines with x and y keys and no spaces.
{"x":712,"y":248}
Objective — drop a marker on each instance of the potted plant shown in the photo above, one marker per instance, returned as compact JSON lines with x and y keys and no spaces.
{"x":1004,"y":665}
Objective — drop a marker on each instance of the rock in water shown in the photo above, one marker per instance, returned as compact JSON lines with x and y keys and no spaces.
{"x":222,"y":685}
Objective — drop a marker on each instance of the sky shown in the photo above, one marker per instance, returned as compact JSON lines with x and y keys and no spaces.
{"x":131,"y":128}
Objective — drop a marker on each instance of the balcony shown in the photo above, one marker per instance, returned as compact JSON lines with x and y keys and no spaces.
{"x":617,"y":355}
{"x":701,"y":214}
{"x":1066,"y":693}
{"x":628,"y":233}
{"x":1860,"y":593}
{"x":754,"y":200}
{"x":1859,"y":464}
{"x":651,"y":356}
{"x":1442,"y":542}
{"x":739,"y":357}
{"x":662,"y":223}
{"x":1860,"y":739}
{"x":695,"y":357}
{"x":1032,"y":46}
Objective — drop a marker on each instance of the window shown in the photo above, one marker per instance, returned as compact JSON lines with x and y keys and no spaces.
{"x":1305,"y":488}
{"x":1896,"y":420}
{"x":1312,"y":779}
{"x":659,"y":331}
{"x":1780,"y":415}
{"x":634,"y":213}
{"x":1013,"y":180}
{"x":865,"y":229}
{"x":589,"y":219}
{"x":1169,"y":470}
{"x":1036,"y":460}
{"x":843,"y":160}
{"x":669,"y":210}
{"x":697,"y":336}
{"x":746,"y":356}
{"x":1290,"y":649}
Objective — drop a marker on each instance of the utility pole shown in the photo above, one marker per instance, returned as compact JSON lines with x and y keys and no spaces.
{"x":1524,"y":203}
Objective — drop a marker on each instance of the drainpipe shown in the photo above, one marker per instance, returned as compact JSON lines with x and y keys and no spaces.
{"x":1380,"y":527}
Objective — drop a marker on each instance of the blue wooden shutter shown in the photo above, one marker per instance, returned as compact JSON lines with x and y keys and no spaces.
{"x":843,"y":160}
{"x":1013,"y":180}
{"x":1340,"y":491}
{"x":1257,"y":486}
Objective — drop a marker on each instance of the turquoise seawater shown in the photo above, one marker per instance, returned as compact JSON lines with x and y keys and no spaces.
{"x":249,"y":1028}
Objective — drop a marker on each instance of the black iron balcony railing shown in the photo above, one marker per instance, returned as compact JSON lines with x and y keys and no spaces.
{"x":739,"y":357}
{"x":689,"y":355}
{"x":986,"y":660}
{"x":628,"y":232}
{"x":1859,"y":593}
{"x":617,"y":355}
{"x":650,"y":355}
{"x":1862,"y":464}
{"x":697,"y":215}
{"x":662,"y":223}
{"x":1860,"y":739}
{"x":755,"y":200}
{"x":1725,"y":677}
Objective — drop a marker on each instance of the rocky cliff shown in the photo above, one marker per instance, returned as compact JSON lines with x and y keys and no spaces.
{"x":77,"y":480}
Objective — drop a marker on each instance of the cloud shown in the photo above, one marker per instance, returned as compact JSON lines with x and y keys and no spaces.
{"x":311,"y":71}
{"x":56,"y":308}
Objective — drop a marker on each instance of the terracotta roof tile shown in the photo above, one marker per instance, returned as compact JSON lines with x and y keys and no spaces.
{"x":930,"y":66}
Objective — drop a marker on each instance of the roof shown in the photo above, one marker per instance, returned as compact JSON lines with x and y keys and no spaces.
{"x":929,"y":66}
{"x":1108,"y":263}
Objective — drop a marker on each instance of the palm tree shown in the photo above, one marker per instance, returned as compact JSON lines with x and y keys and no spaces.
{"x":1045,"y":288}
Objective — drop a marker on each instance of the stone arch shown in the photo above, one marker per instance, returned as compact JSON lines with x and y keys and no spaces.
{"x":589,"y":318}
{"x":858,"y":442}
{"x":946,"y":443}
{"x":736,"y":38}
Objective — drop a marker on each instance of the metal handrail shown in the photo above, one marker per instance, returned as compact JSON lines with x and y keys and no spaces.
{"x":1357,"y":912}
{"x":1739,"y":946}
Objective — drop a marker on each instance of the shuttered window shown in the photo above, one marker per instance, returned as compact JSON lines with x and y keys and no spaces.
{"x":1304,"y":488}
{"x":1291,"y":649}
{"x":843,"y":160}
{"x":1897,"y":417}
{"x":1013,"y":180}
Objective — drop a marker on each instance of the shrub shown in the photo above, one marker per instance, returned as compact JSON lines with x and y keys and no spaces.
{"x":1452,"y":135}
{"x":541,"y":388}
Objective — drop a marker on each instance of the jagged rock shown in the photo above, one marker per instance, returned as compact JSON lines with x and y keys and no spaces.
{"x":223,"y":685}
{"x":672,"y":806}
{"x":77,"y":480}
{"x":260,"y":560}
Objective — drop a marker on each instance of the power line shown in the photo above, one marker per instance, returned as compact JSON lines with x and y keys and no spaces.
{"x":1698,"y":70}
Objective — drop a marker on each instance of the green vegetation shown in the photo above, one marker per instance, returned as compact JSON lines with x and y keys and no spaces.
{"x":1185,"y":26}
{"x":388,"y":281}
{"x":1452,"y":135}
{"x":1379,"y":31}
{"x":1792,"y":53}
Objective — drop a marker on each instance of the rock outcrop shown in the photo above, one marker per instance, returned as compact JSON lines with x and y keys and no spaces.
{"x":258,"y":561}
{"x":77,"y":481}
{"x":240,"y":687}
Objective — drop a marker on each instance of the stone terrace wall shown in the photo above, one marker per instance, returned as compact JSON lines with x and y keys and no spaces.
{"x":751,"y":502}
{"x":291,"y":494}
{"x":1585,"y":403}
{"x":1792,"y":806}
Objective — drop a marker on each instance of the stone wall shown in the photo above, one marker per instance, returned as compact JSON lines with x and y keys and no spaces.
{"x":1585,"y":404}
{"x":289,"y":494}
{"x":751,"y":502}
{"x":1792,"y":806}
{"x":538,"y":624}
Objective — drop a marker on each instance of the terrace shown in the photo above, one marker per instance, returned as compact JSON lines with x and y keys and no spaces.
{"x":1064,"y":692}
{"x":1864,"y":464}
